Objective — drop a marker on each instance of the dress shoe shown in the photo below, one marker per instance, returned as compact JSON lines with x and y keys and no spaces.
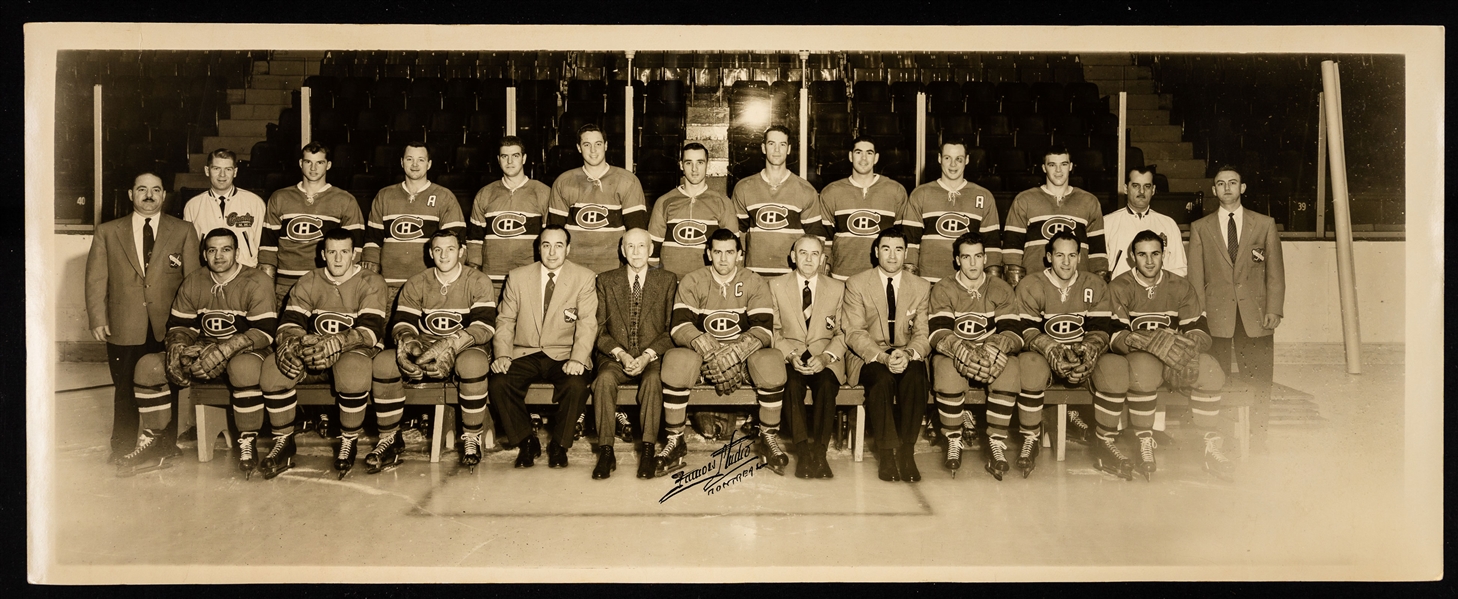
{"x":906,"y":459}
{"x":606,"y":462}
{"x":887,"y":468}
{"x":528,"y":451}
{"x":556,"y":455}
{"x":822,"y":469}
{"x":647,"y":461}
{"x":805,"y":465}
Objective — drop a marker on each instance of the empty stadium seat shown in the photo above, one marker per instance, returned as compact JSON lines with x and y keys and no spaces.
{"x":408,"y":126}
{"x":1007,"y":161}
{"x":945,"y":97}
{"x":447,"y":125}
{"x":827,"y":91}
{"x":425,"y":93}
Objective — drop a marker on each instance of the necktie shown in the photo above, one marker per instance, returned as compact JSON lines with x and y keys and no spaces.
{"x":635,"y":304}
{"x":223,"y":206}
{"x":805,"y":302}
{"x":551,"y":287}
{"x":891,"y":311}
{"x":148,"y":242}
{"x":1230,"y":239}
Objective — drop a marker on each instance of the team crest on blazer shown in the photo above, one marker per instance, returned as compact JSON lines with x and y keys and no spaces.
{"x":864,"y":222}
{"x":690,"y":232}
{"x":1258,"y":254}
{"x":1056,"y":224}
{"x":569,"y":315}
{"x":332,"y":323}
{"x":830,"y":323}
{"x":441,"y":323}
{"x":972,"y":327}
{"x":509,"y":224}
{"x":405,"y":228}
{"x":174,"y":260}
{"x":218,"y":324}
{"x":592,"y":216}
{"x":772,"y":216}
{"x":952,"y":224}
{"x":1149,"y":322}
{"x":1065,"y":328}
{"x":722,"y":324}
{"x":305,"y":228}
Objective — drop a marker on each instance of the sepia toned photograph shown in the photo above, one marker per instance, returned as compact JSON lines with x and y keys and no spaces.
{"x":471,"y":303}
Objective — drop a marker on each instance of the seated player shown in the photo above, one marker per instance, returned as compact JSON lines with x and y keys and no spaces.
{"x":333,"y":325}
{"x":973,"y":329}
{"x":222,"y":320}
{"x":1064,"y":320}
{"x":723,"y":322}
{"x":445,"y":316}
{"x":1162,"y":334}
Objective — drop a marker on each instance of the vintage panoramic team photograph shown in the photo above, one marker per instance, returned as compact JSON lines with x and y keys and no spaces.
{"x":407,"y":303}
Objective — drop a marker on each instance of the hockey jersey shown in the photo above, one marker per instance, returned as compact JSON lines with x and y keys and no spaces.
{"x":295,"y":222}
{"x":681,"y":225}
{"x":598,"y":212}
{"x":505,"y":222}
{"x":322,"y":305}
{"x":936,"y":216}
{"x":1170,"y":303}
{"x":743,"y":306}
{"x":1068,"y":315}
{"x":971,"y":314}
{"x":438,"y":310}
{"x":400,"y":224}
{"x":242,"y":306}
{"x":1036,"y":216}
{"x":772,"y":217}
{"x":858,"y":216}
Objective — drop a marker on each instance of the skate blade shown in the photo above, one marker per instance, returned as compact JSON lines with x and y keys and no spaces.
{"x":1026,"y":471}
{"x":1146,"y":476}
{"x":272,"y":474}
{"x":997,"y":474}
{"x":130,"y":472}
{"x":670,"y":469}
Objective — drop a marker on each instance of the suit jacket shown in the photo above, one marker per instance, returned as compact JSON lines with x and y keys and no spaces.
{"x":865,"y":314}
{"x":119,"y":296}
{"x":614,"y":312}
{"x":1251,"y":287}
{"x":826,"y":334}
{"x":522,"y":328}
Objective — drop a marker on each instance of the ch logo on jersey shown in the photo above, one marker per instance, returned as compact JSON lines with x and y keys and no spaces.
{"x":952,"y":224}
{"x":305,"y":229}
{"x":1065,"y":328}
{"x":405,"y":228}
{"x":592,"y":216}
{"x":690,"y":232}
{"x":773,"y":216}
{"x":972,"y":327}
{"x":722,"y":324}
{"x":332,"y":323}
{"x":441,"y":323}
{"x":864,"y":222}
{"x":509,"y":224}
{"x":1150,"y":322}
{"x":218,"y":324}
{"x":1056,"y":225}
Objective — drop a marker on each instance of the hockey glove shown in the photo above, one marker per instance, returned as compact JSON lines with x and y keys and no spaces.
{"x":965,"y":355}
{"x":1183,"y":377}
{"x":1088,"y":354}
{"x":1014,"y":273}
{"x":324,"y":350}
{"x":289,"y":345}
{"x":407,"y":349}
{"x":706,"y":345}
{"x":179,"y":341}
{"x":996,"y":350}
{"x":213,"y":360}
{"x":728,"y":381}
{"x":1061,"y":359}
{"x":440,"y":360}
{"x":1172,"y":348}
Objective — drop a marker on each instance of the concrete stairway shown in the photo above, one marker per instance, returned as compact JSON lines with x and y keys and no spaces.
{"x":1148,"y":119}
{"x":708,"y":124}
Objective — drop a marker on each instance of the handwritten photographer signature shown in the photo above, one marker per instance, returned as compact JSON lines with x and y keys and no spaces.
{"x":729,"y":464}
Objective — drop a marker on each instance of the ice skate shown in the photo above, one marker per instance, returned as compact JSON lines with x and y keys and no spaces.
{"x":671,"y":458}
{"x":997,"y":456}
{"x":348,"y":450}
{"x":154,"y":451}
{"x":386,"y":454}
{"x":280,"y":458}
{"x":1108,"y":458}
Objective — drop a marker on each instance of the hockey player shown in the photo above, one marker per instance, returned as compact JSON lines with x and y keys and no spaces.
{"x":1064,"y":319}
{"x":1163,"y":336}
{"x":685,"y":218}
{"x":299,"y":216}
{"x":973,"y":325}
{"x":507,"y":216}
{"x":404,"y":217}
{"x":940,"y":211}
{"x":1121,"y":225}
{"x":859,"y":208}
{"x":775,"y":208}
{"x":723,"y":322}
{"x":444,"y":319}
{"x":334,"y":325}
{"x":597,"y":202}
{"x":222,"y":320}
{"x":1038,"y":213}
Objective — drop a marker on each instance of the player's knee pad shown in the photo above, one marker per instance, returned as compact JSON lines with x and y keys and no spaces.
{"x":271,"y":379}
{"x":1010,"y":380}
{"x":945,"y":377}
{"x":1146,"y":372}
{"x":353,"y":373}
{"x":1212,"y":378}
{"x":767,"y":368}
{"x":1033,"y":372}
{"x":473,"y":363}
{"x":1111,"y":374}
{"x":681,"y":367}
{"x":150,"y":370}
{"x":244,"y":369}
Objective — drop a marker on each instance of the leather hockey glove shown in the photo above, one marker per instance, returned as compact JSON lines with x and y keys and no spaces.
{"x":407,"y":350}
{"x":728,"y":381}
{"x":964,"y":355}
{"x":179,"y":342}
{"x":289,"y":345}
{"x":440,"y":359}
{"x":997,"y":348}
{"x":1088,"y":354}
{"x":1172,"y":348}
{"x":1061,"y":359}
{"x":1013,"y":273}
{"x":320,"y":352}
{"x":706,"y":345}
{"x":213,"y":360}
{"x":726,"y":365}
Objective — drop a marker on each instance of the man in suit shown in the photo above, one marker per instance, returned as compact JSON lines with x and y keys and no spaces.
{"x":886,"y":326}
{"x":634,"y":304}
{"x":1238,"y":273}
{"x":808,"y":333}
{"x":545,"y":329}
{"x":135,"y":266}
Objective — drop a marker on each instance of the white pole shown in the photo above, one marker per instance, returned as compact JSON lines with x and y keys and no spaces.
{"x":1123,"y":120}
{"x":1320,"y":166}
{"x":511,"y":110}
{"x":804,"y":114}
{"x":1346,"y":275}
{"x":628,"y":116}
{"x":920,"y":135}
{"x":96,"y":134}
{"x":305,"y":116}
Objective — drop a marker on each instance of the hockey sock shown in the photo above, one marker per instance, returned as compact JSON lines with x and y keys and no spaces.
{"x":675,"y":405}
{"x":248,"y":409}
{"x":1141,"y":411}
{"x":154,"y":404}
{"x":770,"y":402}
{"x":1108,"y":409}
{"x":352,"y":410}
{"x":1206,"y":410}
{"x":281,"y":411}
{"x":472,"y":396}
{"x":949,"y":411}
{"x":1030,"y":410}
{"x":999,"y":412}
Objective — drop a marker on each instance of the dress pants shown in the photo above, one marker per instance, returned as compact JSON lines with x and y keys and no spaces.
{"x":605,"y":399}
{"x":895,"y":403}
{"x":122,"y":361}
{"x":823,"y":387}
{"x":1256,"y":358}
{"x":508,"y":394}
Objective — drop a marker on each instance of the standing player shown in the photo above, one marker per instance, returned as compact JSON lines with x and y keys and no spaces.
{"x":1121,"y":225}
{"x":445,"y":317}
{"x":222,"y":320}
{"x":685,"y":218}
{"x":723,"y":323}
{"x":973,"y":324}
{"x":1064,"y":318}
{"x":334,"y":325}
{"x":224,"y":205}
{"x":775,"y":208}
{"x":507,"y":216}
{"x":1164,"y":338}
{"x":860,"y":207}
{"x":597,"y":202}
{"x":940,"y":211}
{"x":299,"y":216}
{"x":404,"y":217}
{"x":808,"y":333}
{"x":1039,"y":213}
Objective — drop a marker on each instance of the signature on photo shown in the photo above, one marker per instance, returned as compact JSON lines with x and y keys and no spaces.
{"x":729,"y":464}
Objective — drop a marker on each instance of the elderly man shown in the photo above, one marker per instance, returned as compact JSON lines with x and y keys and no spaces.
{"x":1120,"y":226}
